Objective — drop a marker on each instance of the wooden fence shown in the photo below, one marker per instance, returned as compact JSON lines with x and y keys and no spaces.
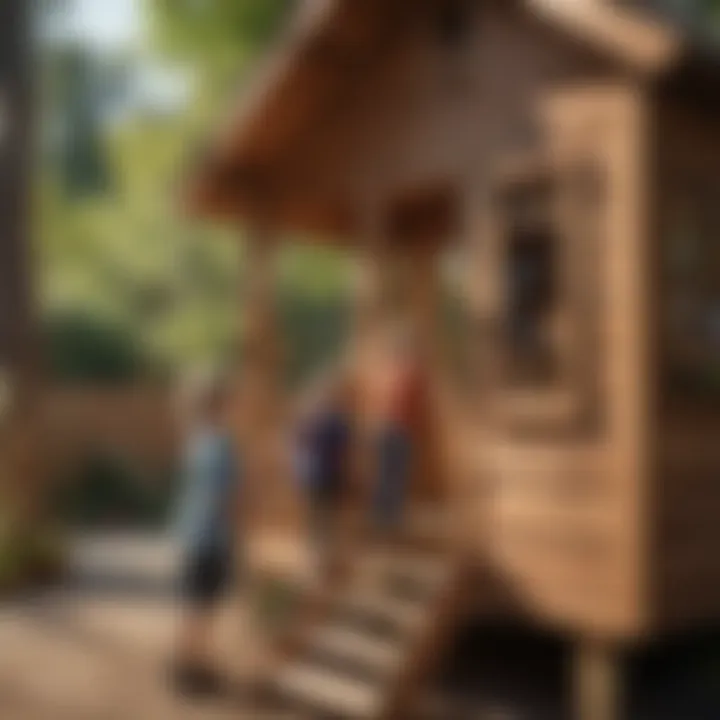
{"x":137,"y":423}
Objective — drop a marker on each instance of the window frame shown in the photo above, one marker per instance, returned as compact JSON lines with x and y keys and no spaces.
{"x":570,"y":403}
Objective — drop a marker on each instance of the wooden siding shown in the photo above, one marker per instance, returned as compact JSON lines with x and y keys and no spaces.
{"x":556,"y":513}
{"x":558,"y":521}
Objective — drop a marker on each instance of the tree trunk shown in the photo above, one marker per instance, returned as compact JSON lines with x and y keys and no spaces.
{"x":18,"y":342}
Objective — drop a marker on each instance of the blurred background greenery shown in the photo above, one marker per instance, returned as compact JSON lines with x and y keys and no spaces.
{"x":130,"y":286}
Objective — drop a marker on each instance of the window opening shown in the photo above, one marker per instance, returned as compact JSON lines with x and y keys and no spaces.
{"x":532,"y":285}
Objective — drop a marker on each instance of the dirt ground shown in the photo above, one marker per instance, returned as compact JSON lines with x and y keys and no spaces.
{"x":96,"y":650}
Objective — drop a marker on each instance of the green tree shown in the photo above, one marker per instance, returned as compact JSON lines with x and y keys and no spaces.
{"x":126,"y":255}
{"x":81,"y":347}
{"x":82,"y":154}
{"x":218,"y":37}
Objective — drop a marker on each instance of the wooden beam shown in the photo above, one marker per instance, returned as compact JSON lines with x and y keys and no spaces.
{"x":262,"y":392}
{"x":635,"y":37}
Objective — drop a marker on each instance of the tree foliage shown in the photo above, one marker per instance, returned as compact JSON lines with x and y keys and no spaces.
{"x":83,"y":347}
{"x":217,"y":31}
{"x":107,"y":489}
{"x":122,"y":264}
{"x":81,"y":152}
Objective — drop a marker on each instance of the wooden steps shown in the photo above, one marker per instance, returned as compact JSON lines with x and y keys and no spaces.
{"x":313,"y":688}
{"x":374,"y":612}
{"x":374,"y":644}
{"x":340,"y":643}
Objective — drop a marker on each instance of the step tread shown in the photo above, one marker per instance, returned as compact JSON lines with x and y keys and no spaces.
{"x":371,"y":601}
{"x":430,"y":570}
{"x":354,"y":645}
{"x":325,"y":690}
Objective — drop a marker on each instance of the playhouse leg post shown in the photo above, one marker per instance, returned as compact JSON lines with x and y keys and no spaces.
{"x":256,"y":419}
{"x":597,"y":670}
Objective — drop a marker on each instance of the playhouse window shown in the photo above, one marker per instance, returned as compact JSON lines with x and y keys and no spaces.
{"x":532,"y":282}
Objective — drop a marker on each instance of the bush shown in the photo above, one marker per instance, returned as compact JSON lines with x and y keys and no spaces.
{"x":11,"y":566}
{"x":81,"y":347}
{"x":29,"y":556}
{"x":109,"y":491}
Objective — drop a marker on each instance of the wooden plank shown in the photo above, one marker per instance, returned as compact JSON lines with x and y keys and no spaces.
{"x":318,"y":690}
{"x":428,"y":646}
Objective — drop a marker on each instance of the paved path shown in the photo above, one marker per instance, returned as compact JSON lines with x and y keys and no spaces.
{"x":95,"y":650}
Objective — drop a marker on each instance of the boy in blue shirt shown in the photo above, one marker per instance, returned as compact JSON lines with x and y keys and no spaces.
{"x":205,"y":525}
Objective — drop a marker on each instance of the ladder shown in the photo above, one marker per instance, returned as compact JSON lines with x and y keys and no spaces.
{"x":378,"y":639}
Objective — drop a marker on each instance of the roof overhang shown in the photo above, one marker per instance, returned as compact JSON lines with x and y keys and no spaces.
{"x":328,"y":42}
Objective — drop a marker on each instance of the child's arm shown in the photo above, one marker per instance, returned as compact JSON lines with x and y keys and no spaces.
{"x":232,"y":473}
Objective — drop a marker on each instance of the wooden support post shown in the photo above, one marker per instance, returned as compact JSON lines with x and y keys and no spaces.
{"x":426,"y":298}
{"x":371,"y":276}
{"x":262,"y":395}
{"x":424,"y":303}
{"x":259,"y":428}
{"x":597,"y":680}
{"x":486,"y":293}
{"x":370,"y":293}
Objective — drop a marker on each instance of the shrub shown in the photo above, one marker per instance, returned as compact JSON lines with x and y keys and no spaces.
{"x":28,"y":555}
{"x":84,"y":348}
{"x":110,"y":491}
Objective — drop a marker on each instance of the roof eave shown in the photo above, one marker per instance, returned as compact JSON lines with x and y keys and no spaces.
{"x":648,"y":46}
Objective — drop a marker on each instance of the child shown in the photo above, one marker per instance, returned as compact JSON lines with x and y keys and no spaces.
{"x":403,"y":402}
{"x":324,"y":443}
{"x":206,"y":528}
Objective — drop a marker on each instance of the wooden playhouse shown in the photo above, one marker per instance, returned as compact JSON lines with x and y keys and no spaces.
{"x":555,"y":167}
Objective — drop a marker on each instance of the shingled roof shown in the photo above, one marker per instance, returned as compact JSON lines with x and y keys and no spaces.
{"x":330,"y":40}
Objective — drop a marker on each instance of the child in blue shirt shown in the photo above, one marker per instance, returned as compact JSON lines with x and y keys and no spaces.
{"x":205,"y":526}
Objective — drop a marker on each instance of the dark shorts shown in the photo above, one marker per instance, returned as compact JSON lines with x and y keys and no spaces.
{"x":205,"y":577}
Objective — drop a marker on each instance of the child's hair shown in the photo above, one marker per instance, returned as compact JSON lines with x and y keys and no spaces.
{"x":202,"y":392}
